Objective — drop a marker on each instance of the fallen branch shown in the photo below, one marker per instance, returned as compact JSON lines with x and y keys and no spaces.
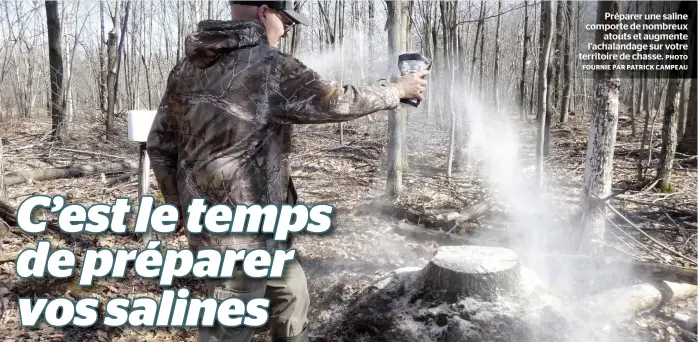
{"x":120,"y":186}
{"x":472,"y":212}
{"x":7,"y":213}
{"x":435,"y":218}
{"x":90,"y":153}
{"x":642,"y":185}
{"x":121,"y":178}
{"x":663,"y":206}
{"x":561,"y":130}
{"x":62,"y":172}
{"x":623,"y":303}
{"x":7,"y":257}
{"x":629,"y":236}
{"x":648,"y":236}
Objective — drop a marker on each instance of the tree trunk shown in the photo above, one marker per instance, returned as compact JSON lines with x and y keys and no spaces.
{"x":633,"y":107}
{"x":688,"y":144}
{"x":533,"y":99}
{"x":102,"y":60}
{"x":56,"y":63}
{"x":482,"y":52}
{"x":477,"y":37}
{"x":625,"y":302}
{"x":688,"y":140}
{"x":524,"y":63}
{"x":395,"y":137}
{"x":598,"y":169}
{"x":546,"y":37}
{"x":111,"y":72}
{"x":567,"y":64}
{"x":681,"y":121}
{"x":549,"y":108}
{"x":406,"y":45}
{"x":666,"y":158}
{"x":456,"y":124}
{"x":3,"y":186}
{"x":644,"y":105}
{"x":556,"y":56}
{"x":495,"y":85}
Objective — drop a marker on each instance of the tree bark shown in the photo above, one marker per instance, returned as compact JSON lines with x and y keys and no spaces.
{"x":495,"y":84}
{"x":3,"y":186}
{"x":102,"y":83}
{"x":74,"y":171}
{"x":666,"y":158}
{"x":567,"y":65}
{"x":546,"y":37}
{"x":633,"y":107}
{"x":524,"y":63}
{"x":598,"y":169}
{"x":549,"y":107}
{"x":56,"y":73}
{"x":688,"y":140}
{"x":673,"y":95}
{"x":394,"y":185}
{"x":111,"y":71}
{"x":556,"y":57}
{"x":688,"y":144}
{"x":681,"y":121}
{"x":482,"y":52}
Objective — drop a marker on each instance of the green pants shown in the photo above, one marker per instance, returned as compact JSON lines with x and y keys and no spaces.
{"x":288,"y":311}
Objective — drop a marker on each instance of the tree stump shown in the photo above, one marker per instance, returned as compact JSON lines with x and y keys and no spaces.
{"x":471,"y":271}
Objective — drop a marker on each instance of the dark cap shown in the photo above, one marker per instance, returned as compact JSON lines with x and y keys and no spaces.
{"x":285,"y":7}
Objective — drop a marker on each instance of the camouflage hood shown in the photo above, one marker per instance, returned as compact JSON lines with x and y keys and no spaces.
{"x":215,"y":38}
{"x":223,"y":127}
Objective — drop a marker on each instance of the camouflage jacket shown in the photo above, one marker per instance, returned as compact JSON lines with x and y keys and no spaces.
{"x":222,"y":128}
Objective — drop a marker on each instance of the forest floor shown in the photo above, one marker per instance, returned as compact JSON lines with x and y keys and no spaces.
{"x":364,"y":244}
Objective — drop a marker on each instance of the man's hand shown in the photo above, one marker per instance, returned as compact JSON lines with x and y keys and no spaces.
{"x":412,"y":85}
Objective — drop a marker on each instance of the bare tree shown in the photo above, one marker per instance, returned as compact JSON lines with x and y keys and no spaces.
{"x":114,"y":57}
{"x":688,"y":142}
{"x":102,"y":61}
{"x":546,"y":37}
{"x":396,"y":139}
{"x":598,"y":169}
{"x":524,"y":63}
{"x":666,"y":158}
{"x":55,"y":55}
{"x":495,"y":86}
{"x":681,"y":121}
{"x":566,"y":63}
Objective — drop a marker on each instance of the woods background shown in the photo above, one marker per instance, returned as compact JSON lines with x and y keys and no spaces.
{"x":513,"y":144}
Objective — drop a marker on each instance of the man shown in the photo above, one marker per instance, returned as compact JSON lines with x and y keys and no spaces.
{"x":222,"y":133}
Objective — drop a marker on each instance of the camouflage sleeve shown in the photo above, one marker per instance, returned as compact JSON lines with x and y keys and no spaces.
{"x":162,"y":147}
{"x":304,"y":97}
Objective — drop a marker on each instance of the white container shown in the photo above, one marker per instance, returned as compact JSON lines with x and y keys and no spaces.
{"x":139,"y":122}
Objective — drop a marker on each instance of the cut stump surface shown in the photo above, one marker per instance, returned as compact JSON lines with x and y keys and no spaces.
{"x":471,"y":271}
